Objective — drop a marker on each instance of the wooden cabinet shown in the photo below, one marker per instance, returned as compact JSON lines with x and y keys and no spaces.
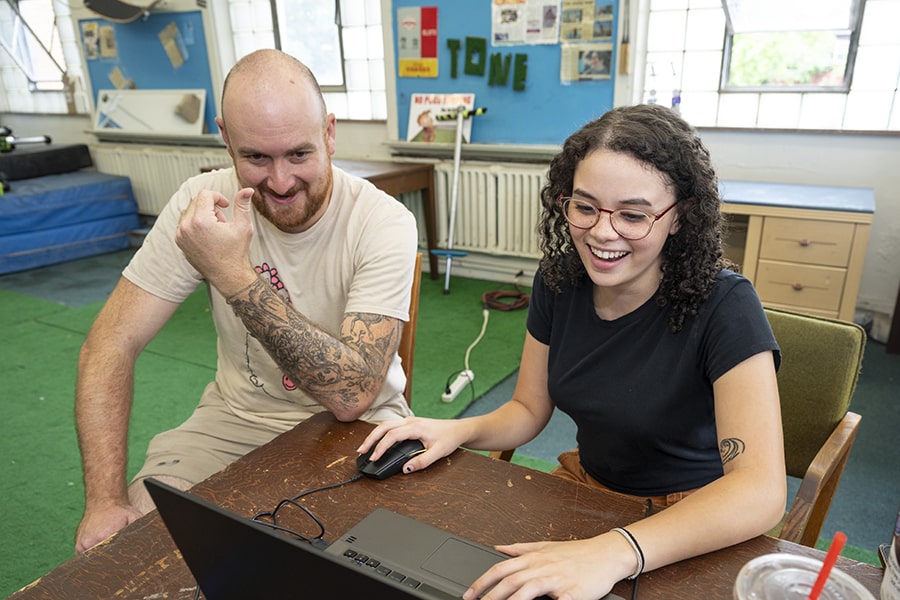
{"x":802,"y":246}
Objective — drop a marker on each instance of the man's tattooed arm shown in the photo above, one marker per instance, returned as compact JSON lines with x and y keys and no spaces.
{"x":731,"y":448}
{"x":344,"y":375}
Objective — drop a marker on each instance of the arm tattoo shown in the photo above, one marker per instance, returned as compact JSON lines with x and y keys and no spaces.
{"x":336,"y":372}
{"x":730,"y":448}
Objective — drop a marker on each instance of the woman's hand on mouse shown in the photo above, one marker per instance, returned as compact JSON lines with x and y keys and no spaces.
{"x":440,"y":437}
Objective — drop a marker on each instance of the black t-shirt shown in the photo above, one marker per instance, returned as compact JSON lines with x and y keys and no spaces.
{"x":640,"y":395}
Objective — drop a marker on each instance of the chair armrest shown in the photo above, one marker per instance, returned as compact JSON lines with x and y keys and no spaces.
{"x":806,"y":516}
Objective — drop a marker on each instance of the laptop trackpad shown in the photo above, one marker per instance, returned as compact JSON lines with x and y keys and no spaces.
{"x":463,"y":563}
{"x":460,"y":562}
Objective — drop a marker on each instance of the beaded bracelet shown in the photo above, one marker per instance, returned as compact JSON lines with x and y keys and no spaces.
{"x":637,"y":550}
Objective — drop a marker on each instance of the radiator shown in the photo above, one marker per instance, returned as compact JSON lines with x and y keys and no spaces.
{"x":497,"y":208}
{"x":156,"y":172}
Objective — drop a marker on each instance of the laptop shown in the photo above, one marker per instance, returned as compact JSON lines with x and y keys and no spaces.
{"x":386,"y":555}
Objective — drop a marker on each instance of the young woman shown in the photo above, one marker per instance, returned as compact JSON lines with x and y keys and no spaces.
{"x":662,"y":356}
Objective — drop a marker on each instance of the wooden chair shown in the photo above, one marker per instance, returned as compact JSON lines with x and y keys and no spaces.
{"x":821,"y":360}
{"x":408,"y":337}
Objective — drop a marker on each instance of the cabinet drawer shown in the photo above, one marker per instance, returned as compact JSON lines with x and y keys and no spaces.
{"x":806,"y":241}
{"x":800,"y":285}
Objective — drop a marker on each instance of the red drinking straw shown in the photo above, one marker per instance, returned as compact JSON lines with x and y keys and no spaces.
{"x":837,"y":543}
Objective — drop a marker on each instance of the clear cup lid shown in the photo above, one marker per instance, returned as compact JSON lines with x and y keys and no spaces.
{"x":791,"y":577}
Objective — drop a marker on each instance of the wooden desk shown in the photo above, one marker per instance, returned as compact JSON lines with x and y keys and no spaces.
{"x":486,"y":500}
{"x":397,"y":178}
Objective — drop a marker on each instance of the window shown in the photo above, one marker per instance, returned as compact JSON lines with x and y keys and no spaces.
{"x":686,"y":52}
{"x":40,"y":66}
{"x":313,"y":32}
{"x":790,"y":45}
{"x":354,"y":86}
{"x":31,"y":40}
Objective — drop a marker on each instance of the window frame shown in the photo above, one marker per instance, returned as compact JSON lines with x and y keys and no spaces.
{"x":857,"y":8}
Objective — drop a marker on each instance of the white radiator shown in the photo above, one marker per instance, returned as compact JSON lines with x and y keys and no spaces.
{"x":497,"y":209}
{"x":156,"y":172}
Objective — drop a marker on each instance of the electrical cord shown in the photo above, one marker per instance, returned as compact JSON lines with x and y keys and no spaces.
{"x":318,"y":540}
{"x":273,"y":514}
{"x":505,"y":300}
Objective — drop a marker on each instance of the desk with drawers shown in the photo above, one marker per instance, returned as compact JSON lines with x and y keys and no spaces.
{"x":802,"y":246}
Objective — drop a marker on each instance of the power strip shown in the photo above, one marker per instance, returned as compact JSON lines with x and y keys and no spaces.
{"x":462,"y":380}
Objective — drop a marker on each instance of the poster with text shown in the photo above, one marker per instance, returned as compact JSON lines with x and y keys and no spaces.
{"x":525,"y":22}
{"x":417,"y":40}
{"x":432,"y":117}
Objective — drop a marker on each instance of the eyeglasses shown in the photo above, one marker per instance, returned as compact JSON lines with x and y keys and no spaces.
{"x":630,"y":223}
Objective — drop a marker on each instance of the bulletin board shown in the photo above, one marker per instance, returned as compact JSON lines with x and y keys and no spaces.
{"x":546,"y":112}
{"x":165,"y":51}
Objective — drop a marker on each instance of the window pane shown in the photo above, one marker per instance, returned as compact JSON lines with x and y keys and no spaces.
{"x":700,"y":108}
{"x":373,"y":12}
{"x":374,"y":42}
{"x":336,"y":103}
{"x":663,"y":70}
{"x":357,"y":72}
{"x":873,"y":64}
{"x":666,"y":30}
{"x":701,"y":71}
{"x":868,"y":110}
{"x":816,"y":58}
{"x":779,"y":111}
{"x":822,"y":111}
{"x":705,"y":29}
{"x":376,"y":75}
{"x":351,"y":15}
{"x":880,"y":22}
{"x":308,"y":31}
{"x":738,"y":110}
{"x":359,"y":106}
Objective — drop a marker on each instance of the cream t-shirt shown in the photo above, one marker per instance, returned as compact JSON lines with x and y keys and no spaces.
{"x":359,"y":257}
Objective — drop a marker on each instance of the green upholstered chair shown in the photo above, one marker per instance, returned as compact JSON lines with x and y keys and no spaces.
{"x":821,"y":360}
{"x":820,"y":364}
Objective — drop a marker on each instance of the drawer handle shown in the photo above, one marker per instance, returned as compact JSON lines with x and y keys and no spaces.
{"x":798,"y":287}
{"x":805,"y":243}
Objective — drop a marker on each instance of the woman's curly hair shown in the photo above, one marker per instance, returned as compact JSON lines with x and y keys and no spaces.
{"x":658,"y":137}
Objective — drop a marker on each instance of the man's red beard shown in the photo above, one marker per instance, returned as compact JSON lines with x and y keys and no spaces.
{"x":296,"y":215}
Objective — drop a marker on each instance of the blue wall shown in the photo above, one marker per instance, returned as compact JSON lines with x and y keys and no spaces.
{"x":142,"y":58}
{"x":546,"y":112}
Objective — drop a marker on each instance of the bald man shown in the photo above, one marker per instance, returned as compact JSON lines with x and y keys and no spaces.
{"x":308,"y":269}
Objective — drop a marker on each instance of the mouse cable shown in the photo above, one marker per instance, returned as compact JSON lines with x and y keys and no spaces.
{"x":317,"y":540}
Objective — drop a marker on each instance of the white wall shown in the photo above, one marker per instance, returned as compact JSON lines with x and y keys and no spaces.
{"x":62,"y":129}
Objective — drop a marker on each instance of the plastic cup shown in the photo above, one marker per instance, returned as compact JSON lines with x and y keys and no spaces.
{"x":791,"y":577}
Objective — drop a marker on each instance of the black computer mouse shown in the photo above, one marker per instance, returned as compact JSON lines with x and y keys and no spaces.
{"x":392,"y":461}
